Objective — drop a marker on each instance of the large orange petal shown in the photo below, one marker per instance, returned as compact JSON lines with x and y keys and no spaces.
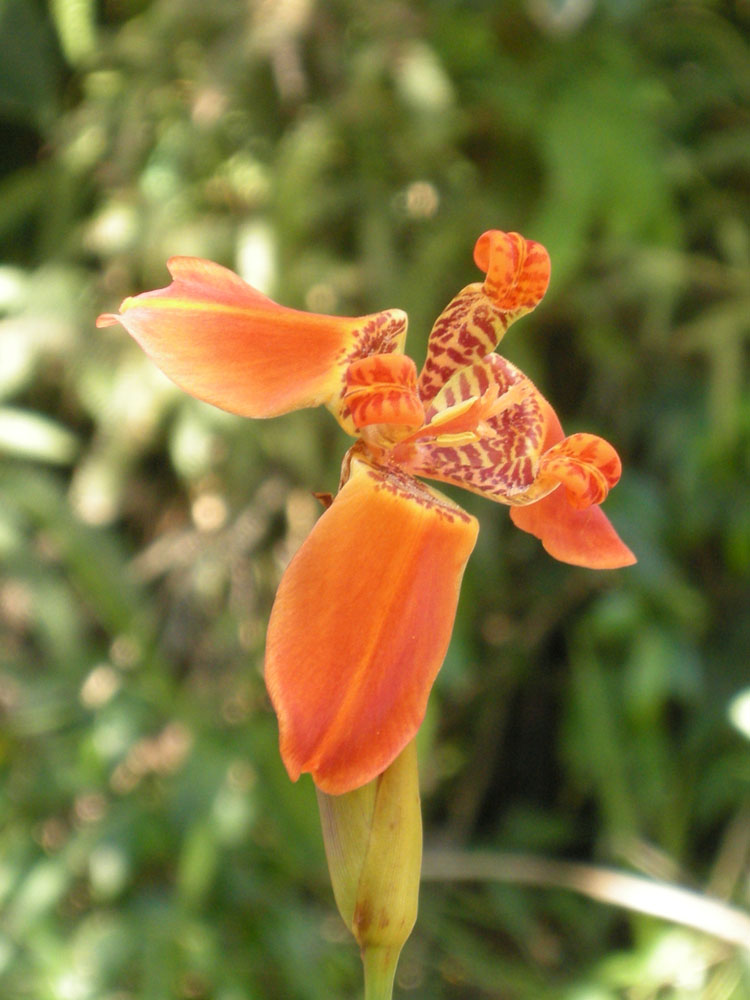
{"x":224,"y":342}
{"x":361,"y":624}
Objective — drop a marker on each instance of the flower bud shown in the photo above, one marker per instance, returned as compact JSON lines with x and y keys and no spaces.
{"x":373,"y":841}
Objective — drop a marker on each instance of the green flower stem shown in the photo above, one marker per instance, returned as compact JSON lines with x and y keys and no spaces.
{"x":380,"y":970}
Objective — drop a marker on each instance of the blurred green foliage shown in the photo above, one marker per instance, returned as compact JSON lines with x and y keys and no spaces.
{"x":345,"y":155}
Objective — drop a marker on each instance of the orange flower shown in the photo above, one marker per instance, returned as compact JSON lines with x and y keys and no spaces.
{"x":365,"y":610}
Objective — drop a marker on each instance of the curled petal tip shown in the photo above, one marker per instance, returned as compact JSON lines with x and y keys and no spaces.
{"x":586,"y":465}
{"x":575,"y":474}
{"x":382,"y":389}
{"x":517,"y":269}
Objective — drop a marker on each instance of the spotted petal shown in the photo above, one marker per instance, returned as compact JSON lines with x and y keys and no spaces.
{"x":382,"y":389}
{"x":361,"y":624}
{"x":475,"y":321}
{"x":517,"y":270}
{"x":500,"y":458}
{"x":224,"y":342}
{"x":587,"y":466}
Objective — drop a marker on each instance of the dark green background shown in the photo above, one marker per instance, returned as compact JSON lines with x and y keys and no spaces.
{"x":350,"y":153}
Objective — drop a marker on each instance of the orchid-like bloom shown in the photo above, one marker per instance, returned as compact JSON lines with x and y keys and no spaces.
{"x":365,"y":610}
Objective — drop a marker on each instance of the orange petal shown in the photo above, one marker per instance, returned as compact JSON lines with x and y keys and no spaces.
{"x":382,"y":389}
{"x":581,"y":537}
{"x":361,"y":623}
{"x":518,"y":270}
{"x":586,"y":465}
{"x":475,"y":321}
{"x":224,"y":342}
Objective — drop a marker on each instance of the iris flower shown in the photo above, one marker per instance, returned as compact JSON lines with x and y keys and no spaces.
{"x":364,"y":612}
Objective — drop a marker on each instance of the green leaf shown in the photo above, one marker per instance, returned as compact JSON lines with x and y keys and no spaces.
{"x":28,"y":63}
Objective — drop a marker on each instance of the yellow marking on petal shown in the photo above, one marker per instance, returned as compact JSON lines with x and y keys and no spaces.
{"x":451,"y":412}
{"x":187,"y":305}
{"x":451,"y":440}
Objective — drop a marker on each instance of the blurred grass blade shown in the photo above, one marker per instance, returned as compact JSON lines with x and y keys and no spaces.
{"x":74,"y":21}
{"x":32,"y":435}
